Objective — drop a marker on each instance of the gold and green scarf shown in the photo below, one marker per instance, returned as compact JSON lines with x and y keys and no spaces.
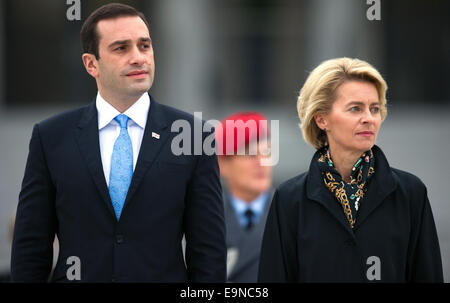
{"x":349,"y":195}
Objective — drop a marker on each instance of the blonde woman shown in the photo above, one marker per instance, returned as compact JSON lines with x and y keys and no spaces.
{"x":351,"y":217}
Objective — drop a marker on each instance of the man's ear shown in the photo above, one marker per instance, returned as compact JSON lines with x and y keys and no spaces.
{"x":321,"y":121}
{"x":91,"y":64}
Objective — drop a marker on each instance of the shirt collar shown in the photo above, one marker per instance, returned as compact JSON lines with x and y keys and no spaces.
{"x":257,"y":205}
{"x":138,"y":112}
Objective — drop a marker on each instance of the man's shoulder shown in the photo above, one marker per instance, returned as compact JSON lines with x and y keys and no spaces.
{"x":66,"y":118}
{"x":173,"y":114}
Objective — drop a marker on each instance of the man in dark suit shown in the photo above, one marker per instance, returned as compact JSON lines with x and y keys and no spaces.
{"x":248,"y":190}
{"x":104,"y":179}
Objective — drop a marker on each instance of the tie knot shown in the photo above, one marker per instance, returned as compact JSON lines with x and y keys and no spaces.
{"x":122,"y":120}
{"x":249,"y":213}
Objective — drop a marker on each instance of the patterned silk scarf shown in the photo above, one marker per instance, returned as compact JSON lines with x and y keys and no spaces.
{"x":350,"y":194}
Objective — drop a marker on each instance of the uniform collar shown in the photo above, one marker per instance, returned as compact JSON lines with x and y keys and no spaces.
{"x":257,"y":205}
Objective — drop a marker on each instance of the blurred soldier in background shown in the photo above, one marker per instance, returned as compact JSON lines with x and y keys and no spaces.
{"x":247,"y":190}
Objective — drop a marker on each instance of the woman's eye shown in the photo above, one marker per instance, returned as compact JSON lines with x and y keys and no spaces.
{"x":375,"y":110}
{"x":354,"y":109}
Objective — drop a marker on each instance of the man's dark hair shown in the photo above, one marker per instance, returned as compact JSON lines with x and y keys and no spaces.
{"x":89,"y":34}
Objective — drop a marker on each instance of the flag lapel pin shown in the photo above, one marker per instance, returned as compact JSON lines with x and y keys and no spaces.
{"x":155,"y":135}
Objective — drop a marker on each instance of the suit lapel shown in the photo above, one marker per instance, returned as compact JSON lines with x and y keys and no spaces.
{"x":88,"y":142}
{"x":233,"y":226}
{"x":151,"y":146}
{"x":246,"y":243}
{"x":234,"y":235}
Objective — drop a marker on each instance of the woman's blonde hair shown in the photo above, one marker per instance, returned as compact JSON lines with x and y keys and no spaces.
{"x":319,"y":92}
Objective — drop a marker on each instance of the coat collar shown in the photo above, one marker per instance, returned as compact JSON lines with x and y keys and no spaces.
{"x":380,"y":186}
{"x":88,"y":142}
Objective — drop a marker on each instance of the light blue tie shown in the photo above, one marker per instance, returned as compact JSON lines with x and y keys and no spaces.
{"x":121,"y":166}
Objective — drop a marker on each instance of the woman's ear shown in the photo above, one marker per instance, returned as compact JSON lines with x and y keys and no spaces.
{"x":91,"y":64}
{"x":321,"y":121}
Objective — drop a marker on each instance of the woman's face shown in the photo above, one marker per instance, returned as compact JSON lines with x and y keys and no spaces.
{"x":354,"y":120}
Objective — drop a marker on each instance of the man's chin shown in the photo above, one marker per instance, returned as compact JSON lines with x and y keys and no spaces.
{"x":261,"y":187}
{"x":138,"y":90}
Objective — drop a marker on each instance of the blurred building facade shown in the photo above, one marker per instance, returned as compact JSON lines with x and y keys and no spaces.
{"x":232,"y":51}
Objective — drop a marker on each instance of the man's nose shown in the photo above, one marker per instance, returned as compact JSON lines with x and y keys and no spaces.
{"x":137,"y":57}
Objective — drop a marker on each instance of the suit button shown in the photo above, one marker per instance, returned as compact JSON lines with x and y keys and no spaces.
{"x":119,"y":239}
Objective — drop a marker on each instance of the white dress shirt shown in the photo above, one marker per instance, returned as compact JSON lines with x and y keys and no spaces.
{"x":109,"y":129}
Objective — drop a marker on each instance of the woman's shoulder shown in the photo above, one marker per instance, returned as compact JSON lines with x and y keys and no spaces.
{"x":293,"y":183}
{"x":411,"y":187}
{"x":291,"y":188}
{"x":287,"y":199}
{"x":407,"y":179}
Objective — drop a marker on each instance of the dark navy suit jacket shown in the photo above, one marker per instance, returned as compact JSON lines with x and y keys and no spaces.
{"x":64,"y":193}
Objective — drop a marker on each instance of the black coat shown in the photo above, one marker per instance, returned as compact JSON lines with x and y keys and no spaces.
{"x":64,"y":192}
{"x":308,"y":238}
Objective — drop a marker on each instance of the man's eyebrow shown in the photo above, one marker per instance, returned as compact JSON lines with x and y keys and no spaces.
{"x":119,"y":42}
{"x":122,"y":42}
{"x":147,"y":39}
